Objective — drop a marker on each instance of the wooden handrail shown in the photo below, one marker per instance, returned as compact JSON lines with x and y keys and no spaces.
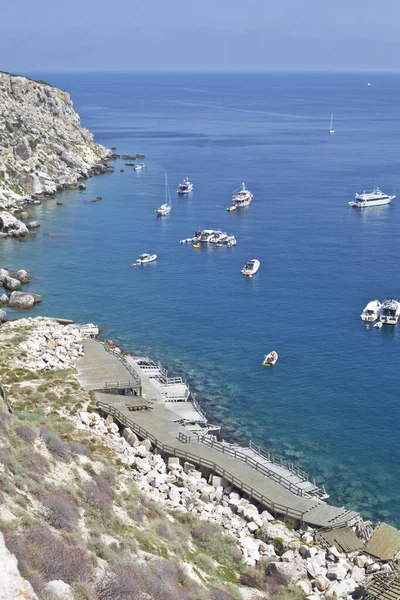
{"x":202,"y":462}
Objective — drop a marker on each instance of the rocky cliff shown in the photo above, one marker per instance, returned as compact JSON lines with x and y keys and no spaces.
{"x":43,"y":146}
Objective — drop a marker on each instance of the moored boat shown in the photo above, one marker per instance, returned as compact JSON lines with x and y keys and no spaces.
{"x":215,"y":237}
{"x":165,"y":208}
{"x":139,"y":167}
{"x":146,"y":258}
{"x":251,"y":267}
{"x":241,"y":197}
{"x":374,"y":198}
{"x":371,"y":311}
{"x":390,"y":312}
{"x":186,"y":187}
{"x":270,"y":359}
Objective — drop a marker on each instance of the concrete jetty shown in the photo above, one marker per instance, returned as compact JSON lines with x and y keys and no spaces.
{"x":163,"y":422}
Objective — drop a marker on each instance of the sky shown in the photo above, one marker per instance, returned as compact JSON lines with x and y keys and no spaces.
{"x":199,"y":35}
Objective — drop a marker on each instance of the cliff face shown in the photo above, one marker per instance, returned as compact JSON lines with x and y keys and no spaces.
{"x":43,"y":146}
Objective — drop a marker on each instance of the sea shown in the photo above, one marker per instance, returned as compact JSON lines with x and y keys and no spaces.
{"x":331,"y":404}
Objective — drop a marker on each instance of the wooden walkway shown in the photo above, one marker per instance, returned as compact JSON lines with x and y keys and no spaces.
{"x":160,"y":426}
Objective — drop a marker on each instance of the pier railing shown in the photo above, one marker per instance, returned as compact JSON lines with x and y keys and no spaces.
{"x":121,"y":357}
{"x":275,"y":507}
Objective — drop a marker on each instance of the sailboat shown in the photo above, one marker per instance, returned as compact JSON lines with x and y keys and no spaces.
{"x":165,"y":208}
{"x":331,"y":130}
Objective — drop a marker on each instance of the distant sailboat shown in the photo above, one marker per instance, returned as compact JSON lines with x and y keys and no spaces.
{"x":165,"y":209}
{"x":331,"y":130}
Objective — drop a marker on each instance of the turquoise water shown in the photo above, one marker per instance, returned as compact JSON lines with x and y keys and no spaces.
{"x":331,"y":403}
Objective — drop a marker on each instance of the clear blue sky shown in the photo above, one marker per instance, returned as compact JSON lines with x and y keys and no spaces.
{"x":159,"y":35}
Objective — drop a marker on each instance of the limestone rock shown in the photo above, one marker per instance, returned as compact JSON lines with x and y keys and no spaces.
{"x":11,"y":284}
{"x":3,"y":299}
{"x":22,"y":276}
{"x":287,"y":573}
{"x":322,"y":583}
{"x":13,"y":586}
{"x":21,"y":300}
{"x":9,"y":225}
{"x":3,"y":274}
{"x":33,"y":225}
{"x":58,"y":590}
{"x":3,"y":316}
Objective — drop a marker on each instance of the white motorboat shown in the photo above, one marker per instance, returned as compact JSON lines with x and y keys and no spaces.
{"x":371,"y":311}
{"x":270,"y":359}
{"x":165,"y":208}
{"x":251,"y":267}
{"x":139,"y":167}
{"x":215,"y":237}
{"x":331,"y":130}
{"x":186,"y":187}
{"x":241,"y":197}
{"x":378,"y":325}
{"x":374,"y":198}
{"x":146,"y":258}
{"x":390,"y":312}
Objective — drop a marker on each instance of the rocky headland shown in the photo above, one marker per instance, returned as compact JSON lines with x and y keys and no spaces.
{"x":43,"y":147}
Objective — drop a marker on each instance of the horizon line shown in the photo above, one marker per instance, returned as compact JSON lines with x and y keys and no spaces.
{"x":216,"y":72}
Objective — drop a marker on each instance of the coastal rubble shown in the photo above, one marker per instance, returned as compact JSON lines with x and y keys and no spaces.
{"x":49,"y":345}
{"x":294,"y":557}
{"x":12,"y":282}
{"x":43,"y":147}
{"x":10,"y":226}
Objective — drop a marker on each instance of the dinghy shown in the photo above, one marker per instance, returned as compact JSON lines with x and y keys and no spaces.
{"x":270,"y":359}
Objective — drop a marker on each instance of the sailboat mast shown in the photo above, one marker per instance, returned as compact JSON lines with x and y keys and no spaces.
{"x":167,"y":194}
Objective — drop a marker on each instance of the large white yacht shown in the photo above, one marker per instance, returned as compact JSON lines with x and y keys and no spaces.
{"x":241,"y":197}
{"x":390,"y":312}
{"x":186,"y":187}
{"x":374,"y":198}
{"x":371,"y":311}
{"x":216,"y":237}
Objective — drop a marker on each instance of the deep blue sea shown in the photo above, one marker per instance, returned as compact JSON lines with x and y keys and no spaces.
{"x":332,"y":401}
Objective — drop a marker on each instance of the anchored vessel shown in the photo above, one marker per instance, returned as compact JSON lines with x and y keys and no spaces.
{"x":331,"y":130}
{"x":216,"y":237}
{"x":165,"y":208}
{"x":139,"y":167}
{"x":371,"y":311}
{"x":270,"y":359}
{"x":146,"y":258}
{"x":251,"y":267}
{"x":374,"y":198}
{"x":390,"y":312}
{"x":186,"y":187}
{"x":241,"y":197}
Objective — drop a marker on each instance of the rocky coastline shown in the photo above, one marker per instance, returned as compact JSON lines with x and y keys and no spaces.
{"x":271,"y":549}
{"x":43,"y":148}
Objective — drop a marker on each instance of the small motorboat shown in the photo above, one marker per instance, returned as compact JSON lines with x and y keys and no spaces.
{"x":270,"y":359}
{"x":186,"y":187}
{"x":378,"y":325}
{"x":371,"y":311}
{"x":231,"y":208}
{"x":146,"y":258}
{"x":251,"y":267}
{"x":139,"y":167}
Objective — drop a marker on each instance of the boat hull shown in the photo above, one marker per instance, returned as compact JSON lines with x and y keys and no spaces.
{"x":367,"y":204}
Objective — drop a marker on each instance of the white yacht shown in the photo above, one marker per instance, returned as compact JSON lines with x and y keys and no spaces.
{"x":390,"y":312}
{"x":186,"y":187}
{"x":251,"y":267}
{"x":241,"y":197}
{"x":371,"y":311}
{"x":139,"y":167}
{"x":165,"y":208}
{"x":146,"y":258}
{"x":331,"y":130}
{"x":216,"y":237}
{"x":374,"y":198}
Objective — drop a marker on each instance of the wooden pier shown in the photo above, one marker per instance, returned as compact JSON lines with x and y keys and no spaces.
{"x":168,"y":433}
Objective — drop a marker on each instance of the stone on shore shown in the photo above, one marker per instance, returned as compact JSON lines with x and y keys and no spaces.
{"x":3,"y":274}
{"x":3,"y":299}
{"x":22,"y":276}
{"x":10,"y":283}
{"x":33,"y":225}
{"x":3,"y":316}
{"x":10,"y":226}
{"x":21,"y":300}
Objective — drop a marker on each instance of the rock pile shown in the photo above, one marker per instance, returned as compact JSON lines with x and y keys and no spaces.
{"x":49,"y":346}
{"x":293,"y":557}
{"x":12,"y":283}
{"x":10,"y":226}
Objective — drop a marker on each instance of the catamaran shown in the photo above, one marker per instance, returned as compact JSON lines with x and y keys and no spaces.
{"x":165,"y":208}
{"x":331,"y":130}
